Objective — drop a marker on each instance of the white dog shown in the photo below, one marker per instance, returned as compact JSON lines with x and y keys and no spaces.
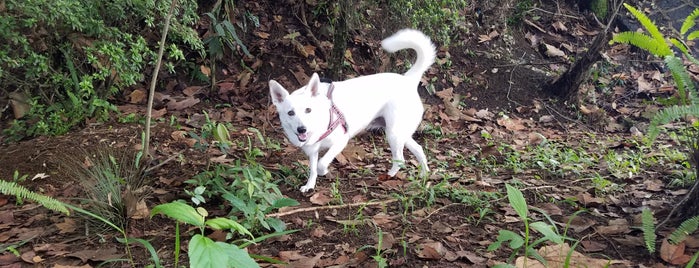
{"x":327,"y":115}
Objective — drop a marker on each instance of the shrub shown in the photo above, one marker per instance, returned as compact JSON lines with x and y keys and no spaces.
{"x":70,"y":57}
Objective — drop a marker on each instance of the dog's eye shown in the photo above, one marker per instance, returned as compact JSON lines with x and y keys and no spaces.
{"x":291,"y":113}
{"x":308,"y":110}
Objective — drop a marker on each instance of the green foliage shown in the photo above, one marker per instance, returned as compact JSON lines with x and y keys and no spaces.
{"x":648,"y":228}
{"x":686,"y":228}
{"x":12,"y":188}
{"x":656,"y":43}
{"x":249,"y":189}
{"x":438,"y":19}
{"x":516,"y":242}
{"x":71,"y":57}
{"x":600,"y":8}
{"x":203,"y":251}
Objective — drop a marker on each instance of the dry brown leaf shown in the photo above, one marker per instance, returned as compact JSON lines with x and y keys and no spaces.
{"x":511,"y":124}
{"x":205,"y":70}
{"x":490,"y":36}
{"x":262,"y":35}
{"x":183,"y":104}
{"x":559,"y":26}
{"x":137,"y":96}
{"x":320,"y":199}
{"x":98,"y":255}
{"x":431,"y":251}
{"x":191,"y":91}
{"x":552,"y":51}
{"x":67,"y":226}
{"x":142,"y":211}
{"x":643,"y":85}
{"x":674,"y":254}
{"x":558,"y":255}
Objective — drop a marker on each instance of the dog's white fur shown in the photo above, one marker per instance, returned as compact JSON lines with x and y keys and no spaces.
{"x":387,"y":100}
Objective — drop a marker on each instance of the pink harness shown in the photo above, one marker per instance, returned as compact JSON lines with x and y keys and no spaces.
{"x":340,"y":120}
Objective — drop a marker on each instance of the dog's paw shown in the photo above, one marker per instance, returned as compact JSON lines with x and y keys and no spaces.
{"x":306,"y":188}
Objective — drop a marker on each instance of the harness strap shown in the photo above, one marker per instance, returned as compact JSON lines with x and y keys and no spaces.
{"x":339,"y":121}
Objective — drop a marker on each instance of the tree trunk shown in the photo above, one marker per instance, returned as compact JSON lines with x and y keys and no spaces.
{"x":340,"y":36}
{"x":566,"y":85}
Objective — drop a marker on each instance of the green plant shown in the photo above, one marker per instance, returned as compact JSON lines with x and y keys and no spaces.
{"x":113,"y":183}
{"x":378,"y":257}
{"x":12,"y":188}
{"x":248,"y":188}
{"x":70,"y":57}
{"x":436,"y":18}
{"x":656,"y":43}
{"x":202,"y":251}
{"x":517,"y":242}
{"x":648,"y":227}
{"x":20,"y":192}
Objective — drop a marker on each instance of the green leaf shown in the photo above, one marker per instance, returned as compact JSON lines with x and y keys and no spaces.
{"x":221,"y":134}
{"x":647,"y":24}
{"x":285,"y":202}
{"x":228,"y":224}
{"x":205,"y":253}
{"x":643,"y":41}
{"x":693,"y":35}
{"x":648,"y":228}
{"x":276,"y":224}
{"x":517,"y":201}
{"x":516,"y":240}
{"x":689,"y":21}
{"x":179,"y":211}
{"x":547,"y":231}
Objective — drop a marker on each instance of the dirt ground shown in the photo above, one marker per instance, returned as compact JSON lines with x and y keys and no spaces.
{"x":505,"y":76}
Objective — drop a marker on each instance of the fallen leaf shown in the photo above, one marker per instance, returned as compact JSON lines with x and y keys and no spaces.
{"x":431,"y":251}
{"x":98,"y":255}
{"x":137,"y":96}
{"x":552,"y":51}
{"x":67,"y":226}
{"x":183,"y":104}
{"x":673,"y":254}
{"x":320,"y":198}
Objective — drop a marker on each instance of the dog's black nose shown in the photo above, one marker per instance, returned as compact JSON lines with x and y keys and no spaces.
{"x":301,"y":129}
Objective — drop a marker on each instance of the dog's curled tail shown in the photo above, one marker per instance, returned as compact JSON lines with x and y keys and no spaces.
{"x":414,"y":39}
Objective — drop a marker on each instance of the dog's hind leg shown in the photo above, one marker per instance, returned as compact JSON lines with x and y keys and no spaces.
{"x":419,"y":153}
{"x":397,"y":143}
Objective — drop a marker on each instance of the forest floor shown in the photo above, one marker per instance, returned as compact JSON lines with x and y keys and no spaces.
{"x":581,"y":165}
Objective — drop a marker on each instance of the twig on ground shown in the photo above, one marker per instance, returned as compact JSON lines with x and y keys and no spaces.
{"x":363,"y":204}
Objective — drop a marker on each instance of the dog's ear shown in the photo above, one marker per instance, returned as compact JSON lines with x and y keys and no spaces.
{"x":314,"y":84}
{"x":277,"y":92}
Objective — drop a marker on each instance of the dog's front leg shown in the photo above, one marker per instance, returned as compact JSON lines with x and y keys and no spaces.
{"x":332,"y":152}
{"x":312,"y":154}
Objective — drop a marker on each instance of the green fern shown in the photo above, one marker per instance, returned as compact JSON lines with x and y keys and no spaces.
{"x":686,"y":228}
{"x":668,"y":115}
{"x":648,"y":227}
{"x":644,"y":42}
{"x":655,"y":43}
{"x":689,"y":22}
{"x":12,"y":188}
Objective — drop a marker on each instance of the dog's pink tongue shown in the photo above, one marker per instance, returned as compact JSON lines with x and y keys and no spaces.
{"x":303,"y":136}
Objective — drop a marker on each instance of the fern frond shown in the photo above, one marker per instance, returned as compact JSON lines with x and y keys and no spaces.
{"x":668,"y":115}
{"x":648,"y":228}
{"x":686,"y":228}
{"x":680,"y":45}
{"x":12,"y":188}
{"x":681,"y":76}
{"x":693,"y":35}
{"x":647,"y":24}
{"x":644,"y":42}
{"x":689,"y":21}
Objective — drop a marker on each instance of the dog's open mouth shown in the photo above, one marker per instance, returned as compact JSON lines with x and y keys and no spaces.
{"x":302,"y":137}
